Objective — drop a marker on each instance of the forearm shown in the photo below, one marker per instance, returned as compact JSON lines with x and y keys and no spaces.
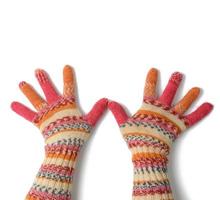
{"x":54,"y":178}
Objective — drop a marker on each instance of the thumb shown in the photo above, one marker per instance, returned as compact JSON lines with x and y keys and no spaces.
{"x":118,"y":112}
{"x":96,"y":112}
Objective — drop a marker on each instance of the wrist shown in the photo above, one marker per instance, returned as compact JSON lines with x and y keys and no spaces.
{"x":54,"y":178}
{"x":150,"y":177}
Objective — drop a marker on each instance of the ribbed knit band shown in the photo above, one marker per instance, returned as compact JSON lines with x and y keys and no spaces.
{"x":150,"y":176}
{"x":150,"y":180}
{"x":54,"y":178}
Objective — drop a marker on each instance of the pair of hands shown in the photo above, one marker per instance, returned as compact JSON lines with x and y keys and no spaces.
{"x":170,"y":118}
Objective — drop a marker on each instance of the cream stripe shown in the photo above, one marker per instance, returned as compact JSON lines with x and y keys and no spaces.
{"x":51,"y":183}
{"x":160,"y":111}
{"x":144,"y":149}
{"x":146,"y":131}
{"x":59,"y":115}
{"x":154,"y":197}
{"x":60,"y":162}
{"x":67,"y":135}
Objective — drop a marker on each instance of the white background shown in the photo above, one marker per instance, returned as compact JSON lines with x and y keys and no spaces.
{"x":111,"y":45}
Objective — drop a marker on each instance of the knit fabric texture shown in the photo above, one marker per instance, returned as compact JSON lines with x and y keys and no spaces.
{"x":64,"y":129}
{"x":151,"y":131}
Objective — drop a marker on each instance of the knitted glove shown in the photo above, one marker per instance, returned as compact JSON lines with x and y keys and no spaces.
{"x":64,"y":129}
{"x":151,"y":131}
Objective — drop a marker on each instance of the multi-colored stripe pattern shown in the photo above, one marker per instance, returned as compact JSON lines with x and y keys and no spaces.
{"x":149,"y":135}
{"x":64,"y":129}
{"x":64,"y":135}
{"x":152,"y":130}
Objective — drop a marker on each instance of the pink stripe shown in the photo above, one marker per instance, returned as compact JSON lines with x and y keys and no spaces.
{"x":47,"y":196}
{"x":154,"y":190}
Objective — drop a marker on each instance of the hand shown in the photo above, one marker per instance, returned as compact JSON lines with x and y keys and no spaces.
{"x":151,"y":131}
{"x":65,"y":130}
{"x":58,"y":112}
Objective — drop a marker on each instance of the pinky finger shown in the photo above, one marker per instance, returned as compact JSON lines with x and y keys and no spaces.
{"x":23,"y":111}
{"x":201,"y":112}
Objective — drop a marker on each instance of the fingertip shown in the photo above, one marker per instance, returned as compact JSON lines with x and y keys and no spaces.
{"x":118,"y":112}
{"x":68,"y":70}
{"x":101,"y":104}
{"x":113,"y":104}
{"x":14,"y":105}
{"x":152,"y":75}
{"x":41,"y":75}
{"x":103,"y":101}
{"x":22,"y":84}
{"x":38,"y":71}
{"x":67,"y":67}
{"x":207,"y":107}
{"x":196,"y":91}
{"x":176,"y":77}
{"x":153,"y":70}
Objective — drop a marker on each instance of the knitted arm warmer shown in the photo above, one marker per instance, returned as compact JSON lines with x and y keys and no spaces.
{"x":64,"y":129}
{"x":151,"y":131}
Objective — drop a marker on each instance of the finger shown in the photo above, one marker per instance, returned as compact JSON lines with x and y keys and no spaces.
{"x":23,"y":111}
{"x":168,"y":94}
{"x":150,"y":84}
{"x":32,"y":96}
{"x":198,"y":114}
{"x":96,"y":112}
{"x":118,"y":112}
{"x":47,"y":86}
{"x":68,"y":81}
{"x":182,"y":106}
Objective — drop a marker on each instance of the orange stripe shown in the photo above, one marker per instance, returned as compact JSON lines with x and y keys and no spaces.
{"x":160,"y":116}
{"x":52,"y":112}
{"x":139,"y":156}
{"x":62,"y":156}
